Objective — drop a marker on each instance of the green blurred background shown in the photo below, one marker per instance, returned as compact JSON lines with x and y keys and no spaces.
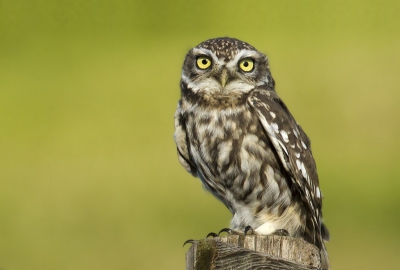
{"x":88,"y":89}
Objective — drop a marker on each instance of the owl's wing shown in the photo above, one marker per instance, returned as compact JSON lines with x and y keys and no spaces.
{"x":293,"y":148}
{"x":182,"y":143}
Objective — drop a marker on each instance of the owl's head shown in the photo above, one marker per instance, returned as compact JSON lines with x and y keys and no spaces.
{"x":224,"y":66}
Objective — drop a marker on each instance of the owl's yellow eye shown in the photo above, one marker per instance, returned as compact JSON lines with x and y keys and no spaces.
{"x":203,"y":62}
{"x":246,"y":64}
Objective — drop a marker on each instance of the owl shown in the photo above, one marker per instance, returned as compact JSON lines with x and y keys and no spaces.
{"x":236,"y":135}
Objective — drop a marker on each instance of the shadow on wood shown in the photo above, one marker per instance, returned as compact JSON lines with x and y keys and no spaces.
{"x":252,"y":252}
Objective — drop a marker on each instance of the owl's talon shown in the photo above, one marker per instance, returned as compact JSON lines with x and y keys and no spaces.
{"x":191,"y":241}
{"x":227,"y":230}
{"x":281,"y":232}
{"x":247,"y":229}
{"x":213,"y":234}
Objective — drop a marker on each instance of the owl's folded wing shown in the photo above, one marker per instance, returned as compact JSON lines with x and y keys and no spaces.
{"x":181,"y":142}
{"x":292,"y":146}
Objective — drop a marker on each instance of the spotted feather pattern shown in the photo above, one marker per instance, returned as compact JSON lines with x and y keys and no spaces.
{"x":234,"y":133}
{"x":293,"y":148}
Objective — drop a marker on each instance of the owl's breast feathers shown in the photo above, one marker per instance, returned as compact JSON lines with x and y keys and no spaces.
{"x":226,"y":144}
{"x":252,"y":155}
{"x":250,"y":148}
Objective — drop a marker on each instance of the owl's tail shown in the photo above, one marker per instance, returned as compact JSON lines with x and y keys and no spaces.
{"x":324,"y":258}
{"x":324,"y":253}
{"x":317,"y":235}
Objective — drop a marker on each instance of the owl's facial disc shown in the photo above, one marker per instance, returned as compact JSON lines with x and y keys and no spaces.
{"x":216,"y":71}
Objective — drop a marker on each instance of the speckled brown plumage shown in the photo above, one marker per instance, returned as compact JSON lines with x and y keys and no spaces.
{"x":225,"y":48}
{"x":234,"y":132}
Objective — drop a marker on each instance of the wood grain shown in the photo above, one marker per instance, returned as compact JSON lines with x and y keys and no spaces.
{"x":252,"y":252}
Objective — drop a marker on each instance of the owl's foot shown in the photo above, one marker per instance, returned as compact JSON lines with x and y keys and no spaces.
{"x":191,"y":241}
{"x":227,"y":230}
{"x":247,"y":229}
{"x":281,"y":232}
{"x":213,"y":234}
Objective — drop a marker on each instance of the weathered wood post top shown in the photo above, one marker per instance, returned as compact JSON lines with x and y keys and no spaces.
{"x":252,"y":252}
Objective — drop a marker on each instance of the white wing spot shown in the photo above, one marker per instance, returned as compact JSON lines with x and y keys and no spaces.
{"x":272,"y":114}
{"x":300,"y":166}
{"x":304,"y":145}
{"x":277,"y":144}
{"x":297,"y":155}
{"x":318,"y":192}
{"x":295,"y":133}
{"x":275,"y":127}
{"x":298,"y":163}
{"x":304,"y":172}
{"x":293,"y":146}
{"x":284,"y":136}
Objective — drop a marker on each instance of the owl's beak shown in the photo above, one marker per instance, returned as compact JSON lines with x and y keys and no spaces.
{"x":224,"y":77}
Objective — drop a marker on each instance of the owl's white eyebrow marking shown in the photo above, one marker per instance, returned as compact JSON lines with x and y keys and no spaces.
{"x":215,"y":59}
{"x":241,"y":54}
{"x":197,"y":51}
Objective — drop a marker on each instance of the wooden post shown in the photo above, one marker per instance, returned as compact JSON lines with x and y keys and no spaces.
{"x":252,"y":252}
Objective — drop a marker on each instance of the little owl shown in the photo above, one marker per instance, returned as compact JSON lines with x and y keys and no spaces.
{"x":234,"y":133}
